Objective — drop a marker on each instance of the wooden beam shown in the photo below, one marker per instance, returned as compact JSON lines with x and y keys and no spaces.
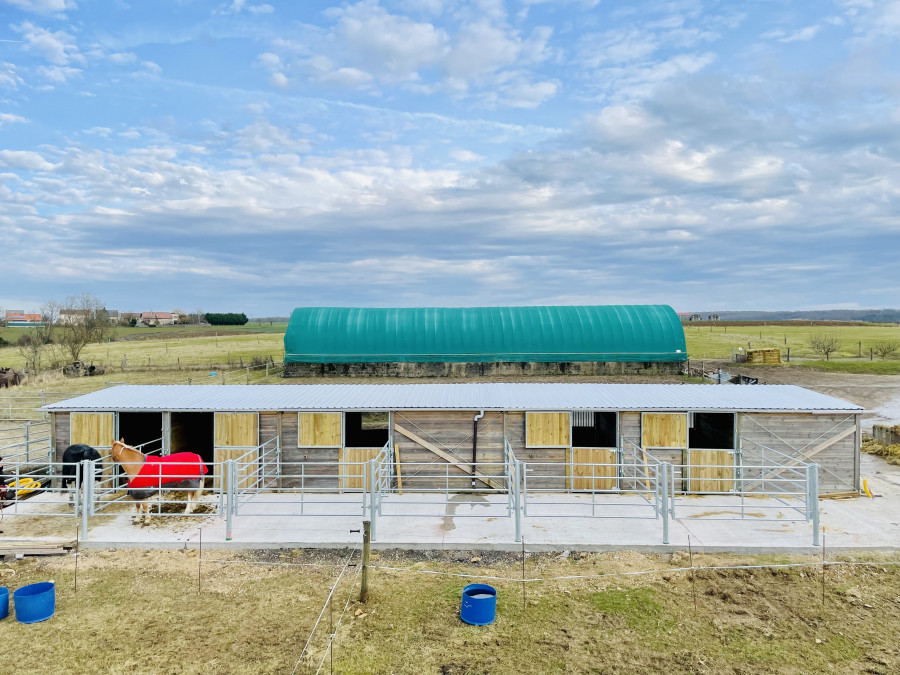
{"x":397,"y":464}
{"x":815,"y":451}
{"x":447,"y":457}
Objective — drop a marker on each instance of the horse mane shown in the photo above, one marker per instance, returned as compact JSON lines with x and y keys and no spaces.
{"x":140,"y":456}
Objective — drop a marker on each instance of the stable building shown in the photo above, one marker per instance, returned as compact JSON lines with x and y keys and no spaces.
{"x":481,"y":341}
{"x":578,"y":434}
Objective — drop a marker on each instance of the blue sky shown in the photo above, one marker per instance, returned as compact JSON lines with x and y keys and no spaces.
{"x":256,"y":156}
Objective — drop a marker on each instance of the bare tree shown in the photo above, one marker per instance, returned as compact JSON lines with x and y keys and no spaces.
{"x":824,"y":344}
{"x":885,"y":348}
{"x":36,"y":345}
{"x":86,"y":321}
{"x":198,"y":316}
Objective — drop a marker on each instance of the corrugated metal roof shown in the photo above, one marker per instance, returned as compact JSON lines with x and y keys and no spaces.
{"x":475,"y":396}
{"x":484,"y":334}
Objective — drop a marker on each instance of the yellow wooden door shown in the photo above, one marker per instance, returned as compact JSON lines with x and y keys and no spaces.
{"x":355,"y":475}
{"x":97,"y":430}
{"x":547,"y":430}
{"x":246,"y":470}
{"x":319,"y":430}
{"x":664,"y":430}
{"x":594,"y":469}
{"x":237,"y":430}
{"x":710,"y":471}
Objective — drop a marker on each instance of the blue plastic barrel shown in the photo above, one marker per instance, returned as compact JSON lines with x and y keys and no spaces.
{"x":35,"y":602}
{"x":4,"y":602}
{"x":479,"y":604}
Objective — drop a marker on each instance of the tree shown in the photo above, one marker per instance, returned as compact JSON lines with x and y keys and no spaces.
{"x":885,"y":348}
{"x":88,"y":321}
{"x":36,"y":344}
{"x":824,"y":344}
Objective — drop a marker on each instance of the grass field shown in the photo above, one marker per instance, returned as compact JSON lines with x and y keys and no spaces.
{"x":137,"y":612}
{"x":191,"y":353}
{"x":716,"y":342}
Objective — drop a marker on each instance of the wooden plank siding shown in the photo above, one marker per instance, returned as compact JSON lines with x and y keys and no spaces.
{"x":664,"y":430}
{"x":245,"y":469}
{"x":547,"y":429}
{"x":319,"y":430}
{"x":355,"y":476}
{"x":452,"y":432}
{"x":321,"y":465}
{"x":550,"y":466}
{"x":60,"y":434}
{"x":235,"y":430}
{"x":586,"y":475}
{"x":97,"y":430}
{"x":797,"y":434}
{"x":710,"y":471}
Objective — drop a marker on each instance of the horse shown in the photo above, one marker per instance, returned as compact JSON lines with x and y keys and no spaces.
{"x":73,"y":455}
{"x":147,"y":473}
{"x":10,"y":377}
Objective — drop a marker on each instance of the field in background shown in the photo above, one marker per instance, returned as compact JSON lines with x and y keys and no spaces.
{"x":717,"y":341}
{"x":141,"y":611}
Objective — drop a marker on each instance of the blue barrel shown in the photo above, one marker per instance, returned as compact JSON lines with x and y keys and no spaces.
{"x":35,"y":602}
{"x":479,"y":604}
{"x":4,"y":602}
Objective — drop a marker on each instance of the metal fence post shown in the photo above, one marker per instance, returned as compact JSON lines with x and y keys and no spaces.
{"x":813,"y":481}
{"x":518,"y":502}
{"x":229,"y":499}
{"x":373,"y":511}
{"x":28,"y":443}
{"x":87,"y":482}
{"x":524,"y":488}
{"x":665,"y":500}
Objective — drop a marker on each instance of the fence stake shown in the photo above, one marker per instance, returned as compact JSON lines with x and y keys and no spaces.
{"x":87,"y":480}
{"x":665,"y":501}
{"x":814,"y":498}
{"x":367,"y":537}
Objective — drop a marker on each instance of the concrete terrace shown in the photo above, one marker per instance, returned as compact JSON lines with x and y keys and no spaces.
{"x":416,"y":521}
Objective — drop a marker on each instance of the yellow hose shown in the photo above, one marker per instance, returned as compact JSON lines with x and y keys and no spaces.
{"x":24,"y":485}
{"x":866,"y":488}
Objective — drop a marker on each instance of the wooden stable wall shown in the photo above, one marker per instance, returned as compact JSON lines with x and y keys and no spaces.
{"x":549,"y":465}
{"x":235,"y":436}
{"x":449,"y":435}
{"x":97,"y":430}
{"x":831,"y":441}
{"x":60,"y":433}
{"x":321,"y":464}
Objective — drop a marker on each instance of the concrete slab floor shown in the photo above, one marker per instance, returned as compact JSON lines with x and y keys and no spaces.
{"x":555,"y":522}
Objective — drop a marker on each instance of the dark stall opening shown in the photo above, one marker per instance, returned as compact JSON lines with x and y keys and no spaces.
{"x":712,"y":431}
{"x":140,"y":428}
{"x":594,"y":430}
{"x":365,"y":429}
{"x":194,"y":432}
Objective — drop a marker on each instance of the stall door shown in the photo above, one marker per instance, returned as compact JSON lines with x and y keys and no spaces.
{"x":237,"y":437}
{"x":710,"y":471}
{"x":587,"y":475}
{"x":97,"y":430}
{"x":664,"y":430}
{"x":547,"y":430}
{"x":355,"y":474}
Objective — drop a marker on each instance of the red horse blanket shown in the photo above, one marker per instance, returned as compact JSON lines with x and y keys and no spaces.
{"x":175,"y":468}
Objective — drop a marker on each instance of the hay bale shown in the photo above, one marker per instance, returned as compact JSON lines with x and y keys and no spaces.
{"x":763,"y":356}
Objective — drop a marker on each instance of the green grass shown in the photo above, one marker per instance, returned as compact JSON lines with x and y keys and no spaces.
{"x":861,"y":367}
{"x":638,"y":606}
{"x":716,"y":342}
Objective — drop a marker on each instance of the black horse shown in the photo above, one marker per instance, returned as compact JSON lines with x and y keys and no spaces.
{"x":73,"y":455}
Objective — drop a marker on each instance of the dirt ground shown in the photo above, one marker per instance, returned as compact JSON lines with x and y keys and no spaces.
{"x":878,"y":394}
{"x":136,"y":612}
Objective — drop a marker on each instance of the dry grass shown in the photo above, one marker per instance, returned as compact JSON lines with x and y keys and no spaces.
{"x":140,"y":612}
{"x":891,"y":453}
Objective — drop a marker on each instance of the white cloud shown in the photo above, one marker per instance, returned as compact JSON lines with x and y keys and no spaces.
{"x":238,"y":6}
{"x":278,"y":80}
{"x":8,"y":76}
{"x":465,"y":156}
{"x":24,"y":159}
{"x":121,"y":58}
{"x":528,"y":94}
{"x":802,"y":35}
{"x":58,"y":74}
{"x":57,"y":47}
{"x":42,"y":6}
{"x":9,"y":118}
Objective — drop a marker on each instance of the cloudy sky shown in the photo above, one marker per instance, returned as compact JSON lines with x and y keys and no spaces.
{"x":255,"y":156}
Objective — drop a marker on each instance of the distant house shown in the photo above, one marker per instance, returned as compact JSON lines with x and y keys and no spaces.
{"x":689,"y":316}
{"x":157,"y":318}
{"x":19,"y":318}
{"x":73,"y":316}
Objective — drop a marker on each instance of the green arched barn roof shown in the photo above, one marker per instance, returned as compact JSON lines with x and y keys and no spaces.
{"x":484,"y":334}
